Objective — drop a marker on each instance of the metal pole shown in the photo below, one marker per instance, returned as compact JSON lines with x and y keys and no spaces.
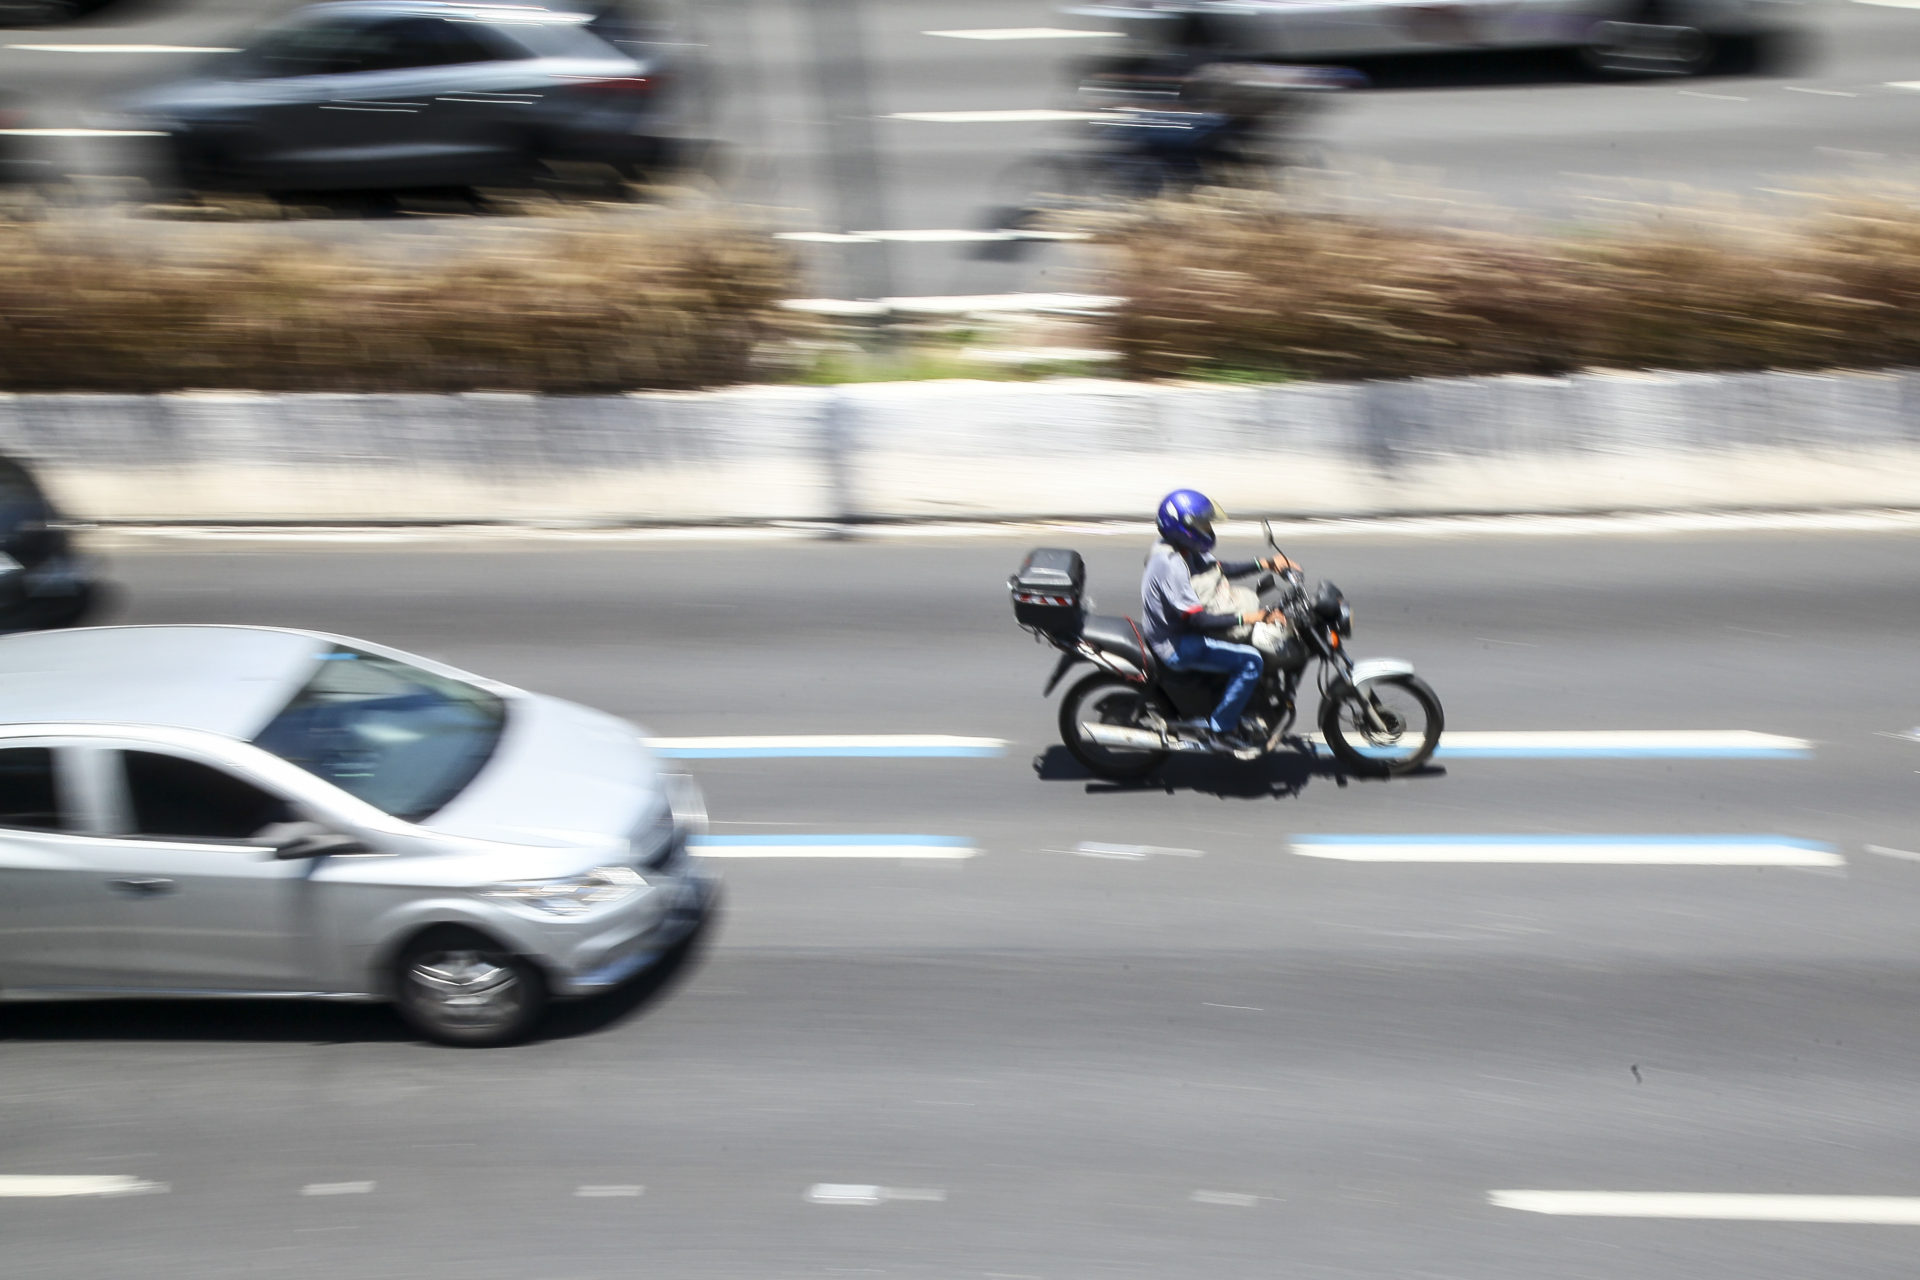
{"x":843,"y":88}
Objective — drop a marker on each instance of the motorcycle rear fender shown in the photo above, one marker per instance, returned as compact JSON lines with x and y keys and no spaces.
{"x":1118,"y":665}
{"x":1374,"y":668}
{"x":1068,"y":661}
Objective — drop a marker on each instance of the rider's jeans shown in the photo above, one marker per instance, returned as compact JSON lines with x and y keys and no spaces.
{"x":1241,"y":661}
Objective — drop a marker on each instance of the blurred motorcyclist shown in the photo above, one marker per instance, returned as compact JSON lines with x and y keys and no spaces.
{"x":1181,"y":628}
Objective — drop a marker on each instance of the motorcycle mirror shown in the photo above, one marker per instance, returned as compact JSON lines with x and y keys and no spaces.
{"x":1266,"y":527}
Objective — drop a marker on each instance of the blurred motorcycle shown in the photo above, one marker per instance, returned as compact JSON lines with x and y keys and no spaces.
{"x":1124,"y":719}
{"x":1160,"y":127}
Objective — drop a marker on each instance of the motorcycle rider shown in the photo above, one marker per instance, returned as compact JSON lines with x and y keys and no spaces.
{"x":1181,"y":630}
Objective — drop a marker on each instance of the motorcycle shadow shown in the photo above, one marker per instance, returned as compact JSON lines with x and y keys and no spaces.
{"x":1280,"y":776}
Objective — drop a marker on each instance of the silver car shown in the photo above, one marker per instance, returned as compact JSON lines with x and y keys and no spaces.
{"x":1666,"y":36}
{"x":400,"y":94}
{"x":262,"y":811}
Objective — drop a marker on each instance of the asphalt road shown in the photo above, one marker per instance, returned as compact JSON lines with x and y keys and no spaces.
{"x":1226,"y":1061}
{"x":1508,"y":134}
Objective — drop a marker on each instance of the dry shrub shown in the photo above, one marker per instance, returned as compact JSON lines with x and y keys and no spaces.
{"x":569,"y":309}
{"x":1256,"y":286}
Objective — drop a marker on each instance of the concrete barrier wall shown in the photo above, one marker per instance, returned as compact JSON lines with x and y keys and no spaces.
{"x":974,"y":450}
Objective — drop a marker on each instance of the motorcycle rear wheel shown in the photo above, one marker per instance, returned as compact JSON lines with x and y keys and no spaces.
{"x":1106,"y":699}
{"x":1362,"y":747}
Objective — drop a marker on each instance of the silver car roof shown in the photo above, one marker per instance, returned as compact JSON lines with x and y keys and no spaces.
{"x":448,"y":9}
{"x":215,"y":679}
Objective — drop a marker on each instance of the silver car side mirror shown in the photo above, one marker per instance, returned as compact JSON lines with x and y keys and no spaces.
{"x":296,"y":840}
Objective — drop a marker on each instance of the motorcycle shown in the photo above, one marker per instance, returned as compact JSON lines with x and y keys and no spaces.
{"x":1157,"y":128}
{"x":1124,"y":719}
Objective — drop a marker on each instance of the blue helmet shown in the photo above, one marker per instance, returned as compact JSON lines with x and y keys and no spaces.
{"x":1186,"y":519}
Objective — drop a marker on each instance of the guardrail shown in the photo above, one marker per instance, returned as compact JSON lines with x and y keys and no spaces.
{"x":980,"y":450}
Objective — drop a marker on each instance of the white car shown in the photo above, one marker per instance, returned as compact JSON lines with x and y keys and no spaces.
{"x":263,"y":811}
{"x":1681,"y":36}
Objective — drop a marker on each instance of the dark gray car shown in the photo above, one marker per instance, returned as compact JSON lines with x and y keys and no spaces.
{"x":397,"y":94}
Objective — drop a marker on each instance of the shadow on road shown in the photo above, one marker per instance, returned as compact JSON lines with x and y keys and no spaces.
{"x":1282,"y":775}
{"x":1474,"y":69}
{"x":261,"y":1021}
{"x":244,"y":1021}
{"x":1531,"y":68}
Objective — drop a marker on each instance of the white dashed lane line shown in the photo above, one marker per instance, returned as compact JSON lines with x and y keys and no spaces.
{"x":1856,"y":1210}
{"x":1023,"y":115}
{"x":121,"y":48}
{"x":1886,"y":1211}
{"x":1643,"y":851}
{"x":1905,"y":855}
{"x":1025,"y":33}
{"x":860,"y":1193}
{"x":55,"y":1186}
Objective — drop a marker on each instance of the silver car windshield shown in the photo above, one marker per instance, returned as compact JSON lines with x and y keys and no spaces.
{"x":402,"y":739}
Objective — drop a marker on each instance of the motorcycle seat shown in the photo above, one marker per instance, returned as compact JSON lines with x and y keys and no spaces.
{"x":1117,"y":636}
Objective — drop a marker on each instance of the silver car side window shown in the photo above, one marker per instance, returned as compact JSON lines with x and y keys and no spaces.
{"x":30,"y":793}
{"x":172,"y":798}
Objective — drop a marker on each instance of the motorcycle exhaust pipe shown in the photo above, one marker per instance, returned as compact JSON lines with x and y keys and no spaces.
{"x":1119,"y":735}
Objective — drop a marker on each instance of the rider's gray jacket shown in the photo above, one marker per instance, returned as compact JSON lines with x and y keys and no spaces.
{"x":1169,"y":605}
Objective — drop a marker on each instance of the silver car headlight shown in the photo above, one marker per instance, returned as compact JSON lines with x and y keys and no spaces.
{"x":572,"y":895}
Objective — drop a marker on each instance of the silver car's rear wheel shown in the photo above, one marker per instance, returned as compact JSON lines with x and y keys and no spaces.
{"x":460,"y":988}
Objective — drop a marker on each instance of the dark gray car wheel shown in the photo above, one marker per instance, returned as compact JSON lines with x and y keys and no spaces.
{"x":458,"y":987}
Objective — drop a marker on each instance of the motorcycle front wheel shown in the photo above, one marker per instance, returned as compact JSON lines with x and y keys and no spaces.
{"x":1106,"y":699}
{"x":1383,"y":727}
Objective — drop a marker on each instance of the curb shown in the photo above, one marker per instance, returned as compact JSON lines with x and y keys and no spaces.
{"x":964,"y":452}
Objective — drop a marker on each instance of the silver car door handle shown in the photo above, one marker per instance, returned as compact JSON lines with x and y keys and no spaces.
{"x":146,"y":886}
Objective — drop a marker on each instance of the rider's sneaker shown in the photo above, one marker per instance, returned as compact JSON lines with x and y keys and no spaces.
{"x":1242,"y":742}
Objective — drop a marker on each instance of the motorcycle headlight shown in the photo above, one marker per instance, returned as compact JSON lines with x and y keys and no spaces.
{"x":572,"y":895}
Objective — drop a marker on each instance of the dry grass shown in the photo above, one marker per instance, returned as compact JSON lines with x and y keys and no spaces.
{"x":573,"y":307}
{"x":1257,"y":287}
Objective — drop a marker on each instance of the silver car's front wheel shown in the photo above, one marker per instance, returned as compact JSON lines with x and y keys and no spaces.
{"x":459,"y":988}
